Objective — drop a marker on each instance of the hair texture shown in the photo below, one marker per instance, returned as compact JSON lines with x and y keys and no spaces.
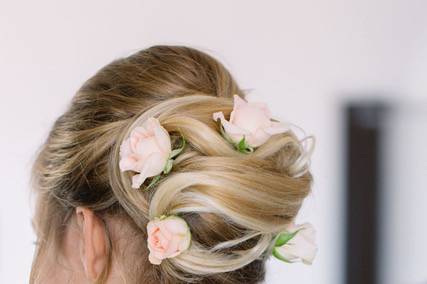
{"x":235,"y":203}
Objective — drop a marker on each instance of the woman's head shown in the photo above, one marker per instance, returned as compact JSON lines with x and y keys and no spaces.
{"x":88,"y":214}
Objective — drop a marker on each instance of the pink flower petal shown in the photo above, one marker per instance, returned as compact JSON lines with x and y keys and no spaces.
{"x":167,"y":238}
{"x":152,"y":226}
{"x":154,"y":260}
{"x":166,"y":233}
{"x":125,"y":149}
{"x":164,"y":240}
{"x":257,"y":138}
{"x":250,"y":119}
{"x":144,"y":147}
{"x":173,"y":247}
{"x":235,"y":133}
{"x":163,"y":139}
{"x":150,"y":124}
{"x":302,"y":247}
{"x":263,"y":107}
{"x":153,"y":166}
{"x":136,"y":135}
{"x":238,"y":102}
{"x":185,"y":243}
{"x":217,"y":115}
{"x":175,"y":225}
{"x":129,"y":163}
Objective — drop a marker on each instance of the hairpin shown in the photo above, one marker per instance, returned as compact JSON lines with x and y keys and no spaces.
{"x":296,"y":243}
{"x":250,"y":124}
{"x":168,"y":236}
{"x":148,"y":152}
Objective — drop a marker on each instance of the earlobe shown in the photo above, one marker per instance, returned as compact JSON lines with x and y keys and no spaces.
{"x":93,"y":252}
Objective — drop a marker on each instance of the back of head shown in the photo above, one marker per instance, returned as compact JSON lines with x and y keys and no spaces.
{"x":234,"y":203}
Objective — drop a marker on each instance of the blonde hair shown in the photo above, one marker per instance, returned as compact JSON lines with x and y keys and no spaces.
{"x":234,"y":203}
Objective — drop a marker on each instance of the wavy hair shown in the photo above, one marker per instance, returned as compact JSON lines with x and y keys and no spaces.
{"x":234,"y":203}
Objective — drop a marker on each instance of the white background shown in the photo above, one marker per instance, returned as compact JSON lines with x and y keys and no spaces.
{"x":305,"y":58}
{"x":403,"y":226}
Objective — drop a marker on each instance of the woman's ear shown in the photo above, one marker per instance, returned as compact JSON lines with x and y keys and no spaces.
{"x":92,"y":243}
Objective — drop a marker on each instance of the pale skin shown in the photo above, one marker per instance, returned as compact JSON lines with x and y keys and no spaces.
{"x":84,"y":253}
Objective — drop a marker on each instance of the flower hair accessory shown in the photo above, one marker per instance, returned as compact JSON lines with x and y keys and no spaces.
{"x":148,"y":152}
{"x":295,"y":244}
{"x":250,"y":124}
{"x":168,"y":236}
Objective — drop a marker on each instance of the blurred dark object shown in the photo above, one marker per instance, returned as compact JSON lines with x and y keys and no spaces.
{"x":363,"y":132}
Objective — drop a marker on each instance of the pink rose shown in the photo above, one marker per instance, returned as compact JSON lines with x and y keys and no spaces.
{"x":167,"y":237}
{"x":146,"y":151}
{"x":296,"y":244}
{"x":252,"y":120}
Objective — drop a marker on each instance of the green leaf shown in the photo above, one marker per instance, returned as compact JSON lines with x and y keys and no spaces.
{"x":168,"y":166}
{"x":242,"y":144}
{"x":283,"y":238}
{"x":248,"y":149}
{"x":153,"y":182}
{"x":175,"y":152}
{"x":243,"y":147}
{"x":277,"y":255}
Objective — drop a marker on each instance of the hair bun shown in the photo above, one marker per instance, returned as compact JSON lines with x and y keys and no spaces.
{"x":235,"y":200}
{"x":235,"y":195}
